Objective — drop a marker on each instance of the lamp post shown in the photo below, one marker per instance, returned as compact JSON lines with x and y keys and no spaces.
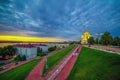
{"x":46,"y":63}
{"x":98,"y":36}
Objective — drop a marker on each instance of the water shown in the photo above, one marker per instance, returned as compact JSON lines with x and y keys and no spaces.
{"x":6,"y":44}
{"x":49,"y":44}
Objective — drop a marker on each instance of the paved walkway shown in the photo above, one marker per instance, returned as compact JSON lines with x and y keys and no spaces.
{"x":64,"y":73}
{"x":106,"y":48}
{"x":57,"y":66}
{"x":12,"y":65}
{"x":36,"y":73}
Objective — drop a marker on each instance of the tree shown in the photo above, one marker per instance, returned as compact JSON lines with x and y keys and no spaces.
{"x":8,"y":50}
{"x":96,"y":41}
{"x":23,"y":58}
{"x":75,"y":42}
{"x":39,"y":51}
{"x":0,"y":51}
{"x":91,"y":40}
{"x":106,"y":38}
{"x":11,"y":50}
{"x":16,"y":58}
{"x":3,"y":53}
{"x":52,"y":48}
{"x":20,"y":58}
{"x":116,"y":41}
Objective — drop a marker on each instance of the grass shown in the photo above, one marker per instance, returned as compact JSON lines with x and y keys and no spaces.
{"x":20,"y":72}
{"x":94,"y":64}
{"x":54,"y":59}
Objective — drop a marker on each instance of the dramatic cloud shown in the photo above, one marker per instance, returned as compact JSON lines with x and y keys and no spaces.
{"x":66,"y":19}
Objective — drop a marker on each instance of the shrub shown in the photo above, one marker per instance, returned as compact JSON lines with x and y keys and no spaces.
{"x":23,"y":58}
{"x":52,"y":48}
{"x":20,"y":58}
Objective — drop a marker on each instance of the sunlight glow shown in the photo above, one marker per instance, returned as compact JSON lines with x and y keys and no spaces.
{"x":28,"y":39}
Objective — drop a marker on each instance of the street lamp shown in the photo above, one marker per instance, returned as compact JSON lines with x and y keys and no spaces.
{"x":46,"y":63}
{"x":98,"y":36}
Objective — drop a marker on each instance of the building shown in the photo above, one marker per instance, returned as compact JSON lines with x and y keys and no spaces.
{"x":28,"y":50}
{"x":44,"y":47}
{"x":85,"y":36}
{"x":58,"y":44}
{"x":62,"y":45}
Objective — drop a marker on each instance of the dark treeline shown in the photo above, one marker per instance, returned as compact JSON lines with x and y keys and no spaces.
{"x":105,"y":39}
{"x":7,"y":51}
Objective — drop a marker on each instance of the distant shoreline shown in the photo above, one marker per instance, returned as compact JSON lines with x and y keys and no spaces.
{"x":29,"y":42}
{"x":6,"y":43}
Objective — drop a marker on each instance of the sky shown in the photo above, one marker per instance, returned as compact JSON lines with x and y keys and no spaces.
{"x":57,"y":20}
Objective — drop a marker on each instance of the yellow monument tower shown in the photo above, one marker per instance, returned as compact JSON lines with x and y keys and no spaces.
{"x":85,"y":36}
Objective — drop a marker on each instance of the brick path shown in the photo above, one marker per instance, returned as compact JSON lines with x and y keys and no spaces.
{"x":57,"y":66}
{"x":36,"y":73}
{"x":117,"y":50}
{"x":64,"y":73}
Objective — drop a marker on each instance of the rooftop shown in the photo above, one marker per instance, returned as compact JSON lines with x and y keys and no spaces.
{"x":39,"y":44}
{"x":24,"y":45}
{"x":29,"y":45}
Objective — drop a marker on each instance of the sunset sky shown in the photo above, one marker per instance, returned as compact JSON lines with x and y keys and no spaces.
{"x":57,"y":20}
{"x":29,"y":38}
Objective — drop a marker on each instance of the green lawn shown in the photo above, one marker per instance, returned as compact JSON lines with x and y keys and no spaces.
{"x":94,"y":64}
{"x":54,"y":59}
{"x":19,"y":73}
